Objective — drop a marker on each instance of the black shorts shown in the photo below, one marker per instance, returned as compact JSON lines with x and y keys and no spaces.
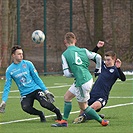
{"x":29,"y":99}
{"x":103,"y":102}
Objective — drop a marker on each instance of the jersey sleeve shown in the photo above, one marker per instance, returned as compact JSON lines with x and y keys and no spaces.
{"x":65,"y":67}
{"x":96,"y":57}
{"x":36,"y":77}
{"x":122,"y":76}
{"x":95,"y":49}
{"x":7,"y":86}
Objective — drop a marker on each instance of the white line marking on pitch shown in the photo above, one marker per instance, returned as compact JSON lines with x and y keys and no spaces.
{"x":65,"y":85}
{"x":47,"y":87}
{"x":112,"y":97}
{"x":15,"y":121}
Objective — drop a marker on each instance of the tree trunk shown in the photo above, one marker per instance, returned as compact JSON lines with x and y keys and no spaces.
{"x":8,"y":27}
{"x":131,"y":32}
{"x":5,"y":32}
{"x":0,"y":33}
{"x":12,"y":16}
{"x":98,"y":23}
{"x":112,"y":25}
{"x":87,"y":20}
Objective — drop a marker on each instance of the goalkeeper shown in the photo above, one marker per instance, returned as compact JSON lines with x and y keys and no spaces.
{"x":30,"y":85}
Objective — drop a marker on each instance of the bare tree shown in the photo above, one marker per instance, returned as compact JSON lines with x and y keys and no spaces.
{"x":0,"y":33}
{"x":131,"y":32}
{"x":112,"y":24}
{"x":5,"y":31}
{"x":11,"y":25}
{"x":98,"y":22}
{"x":8,"y":11}
{"x":87,"y":19}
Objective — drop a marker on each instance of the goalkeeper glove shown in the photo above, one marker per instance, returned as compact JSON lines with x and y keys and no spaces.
{"x":49,"y":96}
{"x":2,"y":107}
{"x":97,"y":72}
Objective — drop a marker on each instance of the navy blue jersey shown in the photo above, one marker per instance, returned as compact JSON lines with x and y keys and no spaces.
{"x":105,"y":81}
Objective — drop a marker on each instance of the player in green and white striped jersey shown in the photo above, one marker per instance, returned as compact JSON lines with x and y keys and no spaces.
{"x":75,"y":62}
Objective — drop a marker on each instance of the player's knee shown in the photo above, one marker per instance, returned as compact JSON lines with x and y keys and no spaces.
{"x":45,"y":104}
{"x":26,"y":108}
{"x":67,"y":98}
{"x":96,"y":106}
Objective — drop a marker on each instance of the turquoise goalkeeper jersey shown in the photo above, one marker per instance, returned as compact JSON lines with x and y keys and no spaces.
{"x":77,"y":61}
{"x":26,"y":78}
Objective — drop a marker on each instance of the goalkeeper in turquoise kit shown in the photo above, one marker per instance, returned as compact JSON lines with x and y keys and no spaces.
{"x":30,"y":86}
{"x":75,"y":62}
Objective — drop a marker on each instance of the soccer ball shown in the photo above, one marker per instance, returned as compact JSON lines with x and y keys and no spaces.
{"x":38,"y":36}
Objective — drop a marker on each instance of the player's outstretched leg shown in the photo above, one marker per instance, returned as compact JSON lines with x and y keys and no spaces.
{"x":44,"y":103}
{"x":91,"y":112}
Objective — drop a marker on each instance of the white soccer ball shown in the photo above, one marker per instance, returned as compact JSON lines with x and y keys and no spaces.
{"x":38,"y":36}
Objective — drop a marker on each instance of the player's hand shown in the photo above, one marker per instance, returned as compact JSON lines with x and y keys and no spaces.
{"x":2,"y":107}
{"x":97,"y":72}
{"x":100,"y":44}
{"x":118,"y":63}
{"x":49,"y":96}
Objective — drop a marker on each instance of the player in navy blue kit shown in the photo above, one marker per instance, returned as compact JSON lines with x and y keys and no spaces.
{"x":30,"y":85}
{"x":99,"y":94}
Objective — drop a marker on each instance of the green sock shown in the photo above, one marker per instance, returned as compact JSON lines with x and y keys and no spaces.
{"x":67,"y":109}
{"x":91,"y":112}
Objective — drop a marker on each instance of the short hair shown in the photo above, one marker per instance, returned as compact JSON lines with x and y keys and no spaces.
{"x":111,"y":53}
{"x":69,"y":37}
{"x":14,"y":48}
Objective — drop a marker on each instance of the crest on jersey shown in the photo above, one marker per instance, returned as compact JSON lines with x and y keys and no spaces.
{"x":23,"y":79}
{"x":111,"y":70}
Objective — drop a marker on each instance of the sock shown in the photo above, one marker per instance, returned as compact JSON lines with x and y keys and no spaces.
{"x":93,"y":114}
{"x":67,"y":110}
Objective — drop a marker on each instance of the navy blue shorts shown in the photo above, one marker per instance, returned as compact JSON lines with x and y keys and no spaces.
{"x":103,"y":102}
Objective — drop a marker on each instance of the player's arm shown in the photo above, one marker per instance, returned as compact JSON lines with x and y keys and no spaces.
{"x":122,"y":76}
{"x":65,"y":68}
{"x":39,"y":82}
{"x":99,"y":45}
{"x":5,"y":92}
